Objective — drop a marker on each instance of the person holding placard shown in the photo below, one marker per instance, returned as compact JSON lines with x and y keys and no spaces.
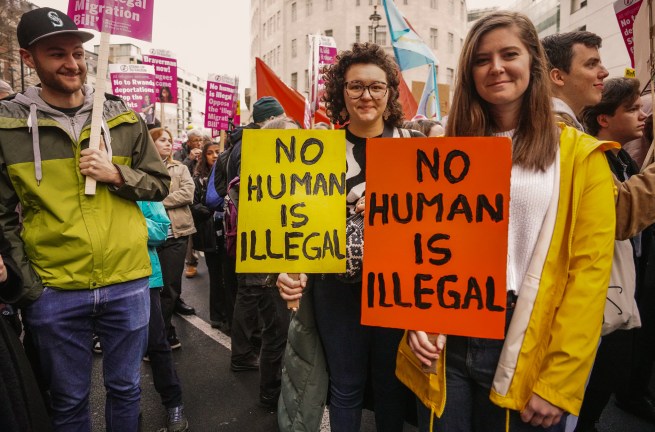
{"x":560,"y":244}
{"x":361,"y":89}
{"x":83,"y":258}
{"x":173,"y":251}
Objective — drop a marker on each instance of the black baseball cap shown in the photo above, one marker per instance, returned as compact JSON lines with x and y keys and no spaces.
{"x":43,"y":22}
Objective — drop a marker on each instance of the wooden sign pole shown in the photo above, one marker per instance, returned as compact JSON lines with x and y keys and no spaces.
{"x":294,"y":304}
{"x":98,"y":104}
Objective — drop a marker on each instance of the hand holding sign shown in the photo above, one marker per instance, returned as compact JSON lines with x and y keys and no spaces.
{"x":96,"y":164}
{"x":291,"y":288}
{"x":427,"y":348}
{"x":133,"y":19}
{"x":292,"y":205}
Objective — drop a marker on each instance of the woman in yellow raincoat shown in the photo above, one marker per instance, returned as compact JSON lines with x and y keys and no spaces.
{"x":561,"y":232}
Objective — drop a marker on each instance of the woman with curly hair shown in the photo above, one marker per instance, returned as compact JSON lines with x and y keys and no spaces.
{"x":361,"y":92}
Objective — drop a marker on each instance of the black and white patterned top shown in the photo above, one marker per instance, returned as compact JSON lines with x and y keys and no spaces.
{"x":356,"y":163}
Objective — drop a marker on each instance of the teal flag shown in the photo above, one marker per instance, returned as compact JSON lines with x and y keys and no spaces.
{"x":409,"y":48}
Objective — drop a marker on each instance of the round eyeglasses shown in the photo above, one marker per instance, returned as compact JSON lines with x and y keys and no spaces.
{"x":355,"y":89}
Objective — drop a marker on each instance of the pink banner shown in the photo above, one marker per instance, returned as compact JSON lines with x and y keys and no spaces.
{"x":165,"y":74}
{"x":219,"y":102}
{"x":131,"y":18}
{"x":323,"y":52}
{"x":135,"y":84}
{"x":626,"y":12}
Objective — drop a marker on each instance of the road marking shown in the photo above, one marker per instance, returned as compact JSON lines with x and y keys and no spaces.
{"x":207,"y":329}
{"x":224,"y":340}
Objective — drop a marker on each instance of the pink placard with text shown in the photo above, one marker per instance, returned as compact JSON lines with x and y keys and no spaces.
{"x":626,"y":12}
{"x":219,"y":102}
{"x":135,"y":84}
{"x":165,"y":76}
{"x":132,"y":18}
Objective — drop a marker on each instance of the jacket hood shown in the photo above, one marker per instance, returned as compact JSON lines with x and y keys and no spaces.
{"x":31,"y":99}
{"x":559,"y":106}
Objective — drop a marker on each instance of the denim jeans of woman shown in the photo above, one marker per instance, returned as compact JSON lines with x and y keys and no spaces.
{"x":470,"y":369}
{"x":351,"y":349}
{"x":164,"y":374}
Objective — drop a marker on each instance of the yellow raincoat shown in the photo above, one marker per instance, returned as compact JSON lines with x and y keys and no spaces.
{"x":551,"y":344}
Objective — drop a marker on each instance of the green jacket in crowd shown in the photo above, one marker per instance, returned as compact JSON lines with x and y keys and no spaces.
{"x":70,"y":240}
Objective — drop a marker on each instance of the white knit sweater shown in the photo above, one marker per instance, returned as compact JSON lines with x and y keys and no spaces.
{"x":530,"y":193}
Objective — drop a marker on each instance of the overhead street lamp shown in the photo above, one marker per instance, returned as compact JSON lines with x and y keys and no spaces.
{"x":375,"y":23}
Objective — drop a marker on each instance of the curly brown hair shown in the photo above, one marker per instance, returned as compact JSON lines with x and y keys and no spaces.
{"x":361,"y":53}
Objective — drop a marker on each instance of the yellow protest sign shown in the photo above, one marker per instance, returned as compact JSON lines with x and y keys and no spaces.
{"x":292,"y":201}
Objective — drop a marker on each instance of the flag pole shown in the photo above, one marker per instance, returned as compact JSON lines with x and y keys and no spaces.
{"x":98,"y":104}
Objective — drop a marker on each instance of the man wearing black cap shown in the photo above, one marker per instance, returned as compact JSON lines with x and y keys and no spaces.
{"x":83,"y":259}
{"x":252,"y":303}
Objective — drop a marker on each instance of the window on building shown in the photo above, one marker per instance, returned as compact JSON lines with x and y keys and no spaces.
{"x":461,"y":44}
{"x":451,"y":43}
{"x":265,"y":29}
{"x":451,"y":7}
{"x":434,"y":38}
{"x":294,"y":80}
{"x":309,"y":6}
{"x":356,"y":2}
{"x":358,"y":33}
{"x":370,"y":2}
{"x":576,"y":5}
{"x":279,"y":20}
{"x":294,"y":12}
{"x":462,"y":8}
{"x":433,"y":4}
{"x":328,"y":5}
{"x":294,"y":48}
{"x":328,"y":32}
{"x":381,"y":37}
{"x":278,"y":49}
{"x":450,"y":73}
{"x":405,"y":2}
{"x":306,"y":80}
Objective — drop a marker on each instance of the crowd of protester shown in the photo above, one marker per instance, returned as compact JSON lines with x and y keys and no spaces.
{"x":581,"y":219}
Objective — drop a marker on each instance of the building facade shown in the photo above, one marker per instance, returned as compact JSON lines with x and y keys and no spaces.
{"x":12,"y":69}
{"x":279,"y":30}
{"x":559,"y":16}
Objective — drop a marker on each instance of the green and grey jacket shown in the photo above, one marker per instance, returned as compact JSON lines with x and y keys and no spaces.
{"x":70,"y":240}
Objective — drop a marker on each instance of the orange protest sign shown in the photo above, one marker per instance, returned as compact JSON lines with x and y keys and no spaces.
{"x":435,"y":239}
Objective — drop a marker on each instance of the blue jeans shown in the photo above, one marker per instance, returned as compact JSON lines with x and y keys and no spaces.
{"x":62,"y":323}
{"x":164,"y":374}
{"x":470,"y":368}
{"x":352,"y":350}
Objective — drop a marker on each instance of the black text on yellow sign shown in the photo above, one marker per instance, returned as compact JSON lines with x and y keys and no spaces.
{"x":292,"y":202}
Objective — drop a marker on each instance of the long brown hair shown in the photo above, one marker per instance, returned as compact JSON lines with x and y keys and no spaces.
{"x":535,"y":140}
{"x":156,"y":133}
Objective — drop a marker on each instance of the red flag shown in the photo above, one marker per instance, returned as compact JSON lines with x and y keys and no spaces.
{"x":406,"y":99}
{"x":268,"y":84}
